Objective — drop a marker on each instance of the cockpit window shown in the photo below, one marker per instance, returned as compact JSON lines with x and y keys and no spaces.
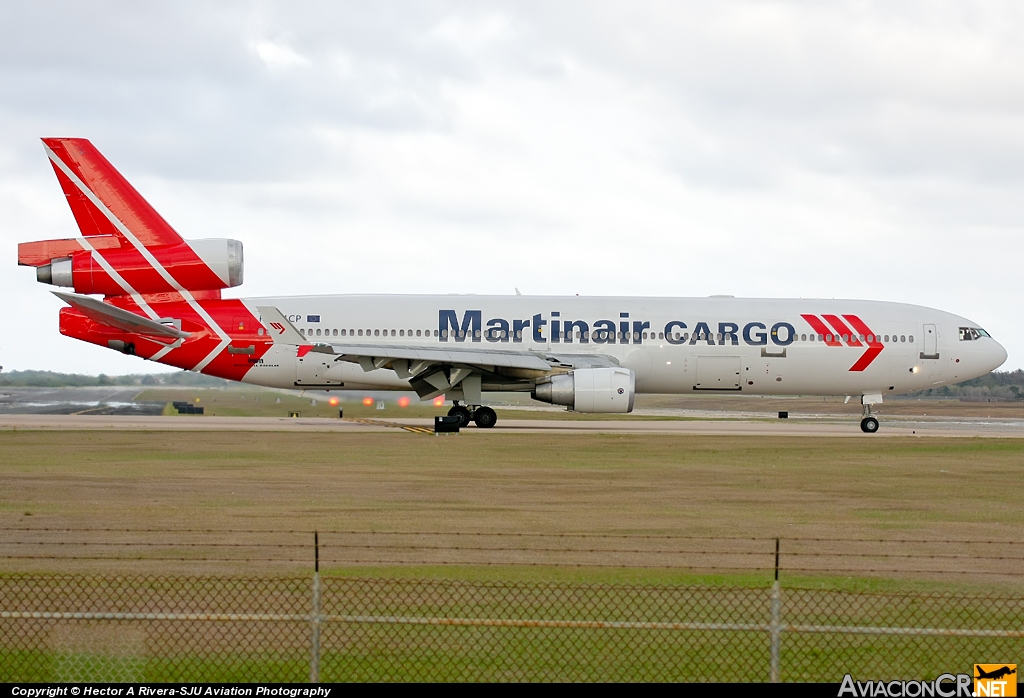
{"x":968,"y":334}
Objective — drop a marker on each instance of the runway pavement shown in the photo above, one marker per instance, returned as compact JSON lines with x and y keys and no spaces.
{"x":831,"y":427}
{"x":113,"y":399}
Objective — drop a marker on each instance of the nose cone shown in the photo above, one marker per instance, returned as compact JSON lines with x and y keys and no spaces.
{"x":995,"y":354}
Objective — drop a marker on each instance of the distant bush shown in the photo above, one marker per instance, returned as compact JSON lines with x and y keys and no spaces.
{"x":52,"y":379}
{"x":998,"y":385}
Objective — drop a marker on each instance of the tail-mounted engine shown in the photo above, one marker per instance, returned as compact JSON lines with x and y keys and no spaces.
{"x":589,"y":390}
{"x":162,"y":292}
{"x":126,"y":248}
{"x":195,"y":265}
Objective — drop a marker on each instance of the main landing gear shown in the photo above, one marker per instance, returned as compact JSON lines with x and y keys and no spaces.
{"x":481,"y":415}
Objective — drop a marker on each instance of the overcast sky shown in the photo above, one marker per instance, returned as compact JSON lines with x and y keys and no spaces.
{"x":801,"y":149}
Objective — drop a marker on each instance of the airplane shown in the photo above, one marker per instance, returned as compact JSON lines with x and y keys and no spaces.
{"x":162,"y":301}
{"x":994,"y":674}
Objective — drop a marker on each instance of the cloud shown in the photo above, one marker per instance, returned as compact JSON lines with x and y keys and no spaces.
{"x":866,"y":150}
{"x":278,"y":56}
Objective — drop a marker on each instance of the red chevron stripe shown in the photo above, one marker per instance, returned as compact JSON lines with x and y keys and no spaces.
{"x":874,"y":346}
{"x":819,"y":327}
{"x":842,"y":329}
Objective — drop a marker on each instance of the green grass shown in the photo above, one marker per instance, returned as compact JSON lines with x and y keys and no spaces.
{"x":552,"y":484}
{"x":491,"y":655}
{"x":646,"y":576}
{"x":278,"y":651}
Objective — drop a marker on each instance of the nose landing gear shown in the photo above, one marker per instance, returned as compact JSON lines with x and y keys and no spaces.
{"x":868,"y":424}
{"x":481,"y":415}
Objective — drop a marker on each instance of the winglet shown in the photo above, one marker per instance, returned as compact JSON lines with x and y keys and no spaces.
{"x":281,"y":331}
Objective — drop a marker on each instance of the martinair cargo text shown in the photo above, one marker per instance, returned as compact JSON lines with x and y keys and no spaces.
{"x":161,"y":300}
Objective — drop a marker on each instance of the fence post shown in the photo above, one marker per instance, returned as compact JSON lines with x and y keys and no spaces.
{"x":775,"y":627}
{"x":314,"y":652}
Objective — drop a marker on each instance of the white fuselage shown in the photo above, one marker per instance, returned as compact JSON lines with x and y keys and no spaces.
{"x":674,"y":345}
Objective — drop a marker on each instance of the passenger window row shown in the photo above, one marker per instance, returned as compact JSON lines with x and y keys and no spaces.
{"x":310,"y":332}
{"x":885,"y":339}
{"x":966,"y":333}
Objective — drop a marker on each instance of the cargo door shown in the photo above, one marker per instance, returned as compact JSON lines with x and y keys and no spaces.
{"x":718,"y":373}
{"x":313,"y":368}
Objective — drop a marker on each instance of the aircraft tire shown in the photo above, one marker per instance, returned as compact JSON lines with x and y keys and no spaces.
{"x":462,"y":413}
{"x":869,"y":425}
{"x":485,"y":417}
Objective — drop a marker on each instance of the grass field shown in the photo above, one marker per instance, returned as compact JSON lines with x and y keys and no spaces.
{"x":746,"y":487}
{"x":504,"y":514}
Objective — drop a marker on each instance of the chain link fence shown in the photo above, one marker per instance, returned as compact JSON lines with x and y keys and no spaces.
{"x":86,"y":627}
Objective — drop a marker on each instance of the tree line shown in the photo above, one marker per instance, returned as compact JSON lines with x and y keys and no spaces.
{"x":52,"y":379}
{"x":998,"y":385}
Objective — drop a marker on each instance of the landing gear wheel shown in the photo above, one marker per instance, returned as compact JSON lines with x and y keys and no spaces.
{"x":462,"y":413}
{"x":485,"y":417}
{"x":869,"y":425}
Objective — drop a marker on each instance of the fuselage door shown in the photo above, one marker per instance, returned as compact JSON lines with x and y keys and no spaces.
{"x":718,"y":373}
{"x":931,"y":346}
{"x":313,"y":369}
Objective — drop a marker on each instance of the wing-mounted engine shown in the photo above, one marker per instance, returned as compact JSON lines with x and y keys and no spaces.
{"x":590,"y":390}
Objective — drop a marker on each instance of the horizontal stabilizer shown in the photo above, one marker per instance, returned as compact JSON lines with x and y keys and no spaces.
{"x":36,"y":254}
{"x":281,"y":331}
{"x":105,"y":314}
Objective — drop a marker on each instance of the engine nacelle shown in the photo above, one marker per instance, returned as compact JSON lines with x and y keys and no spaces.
{"x":590,"y":390}
{"x":223,"y":256}
{"x":196,"y":265}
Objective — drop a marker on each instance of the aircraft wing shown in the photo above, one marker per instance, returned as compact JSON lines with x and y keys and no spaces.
{"x":580,"y":360}
{"x":447,"y":355}
{"x":433,"y":371}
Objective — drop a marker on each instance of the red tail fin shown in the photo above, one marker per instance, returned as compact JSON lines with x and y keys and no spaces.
{"x":145,"y":269}
{"x":127,"y":248}
{"x":103,"y":201}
